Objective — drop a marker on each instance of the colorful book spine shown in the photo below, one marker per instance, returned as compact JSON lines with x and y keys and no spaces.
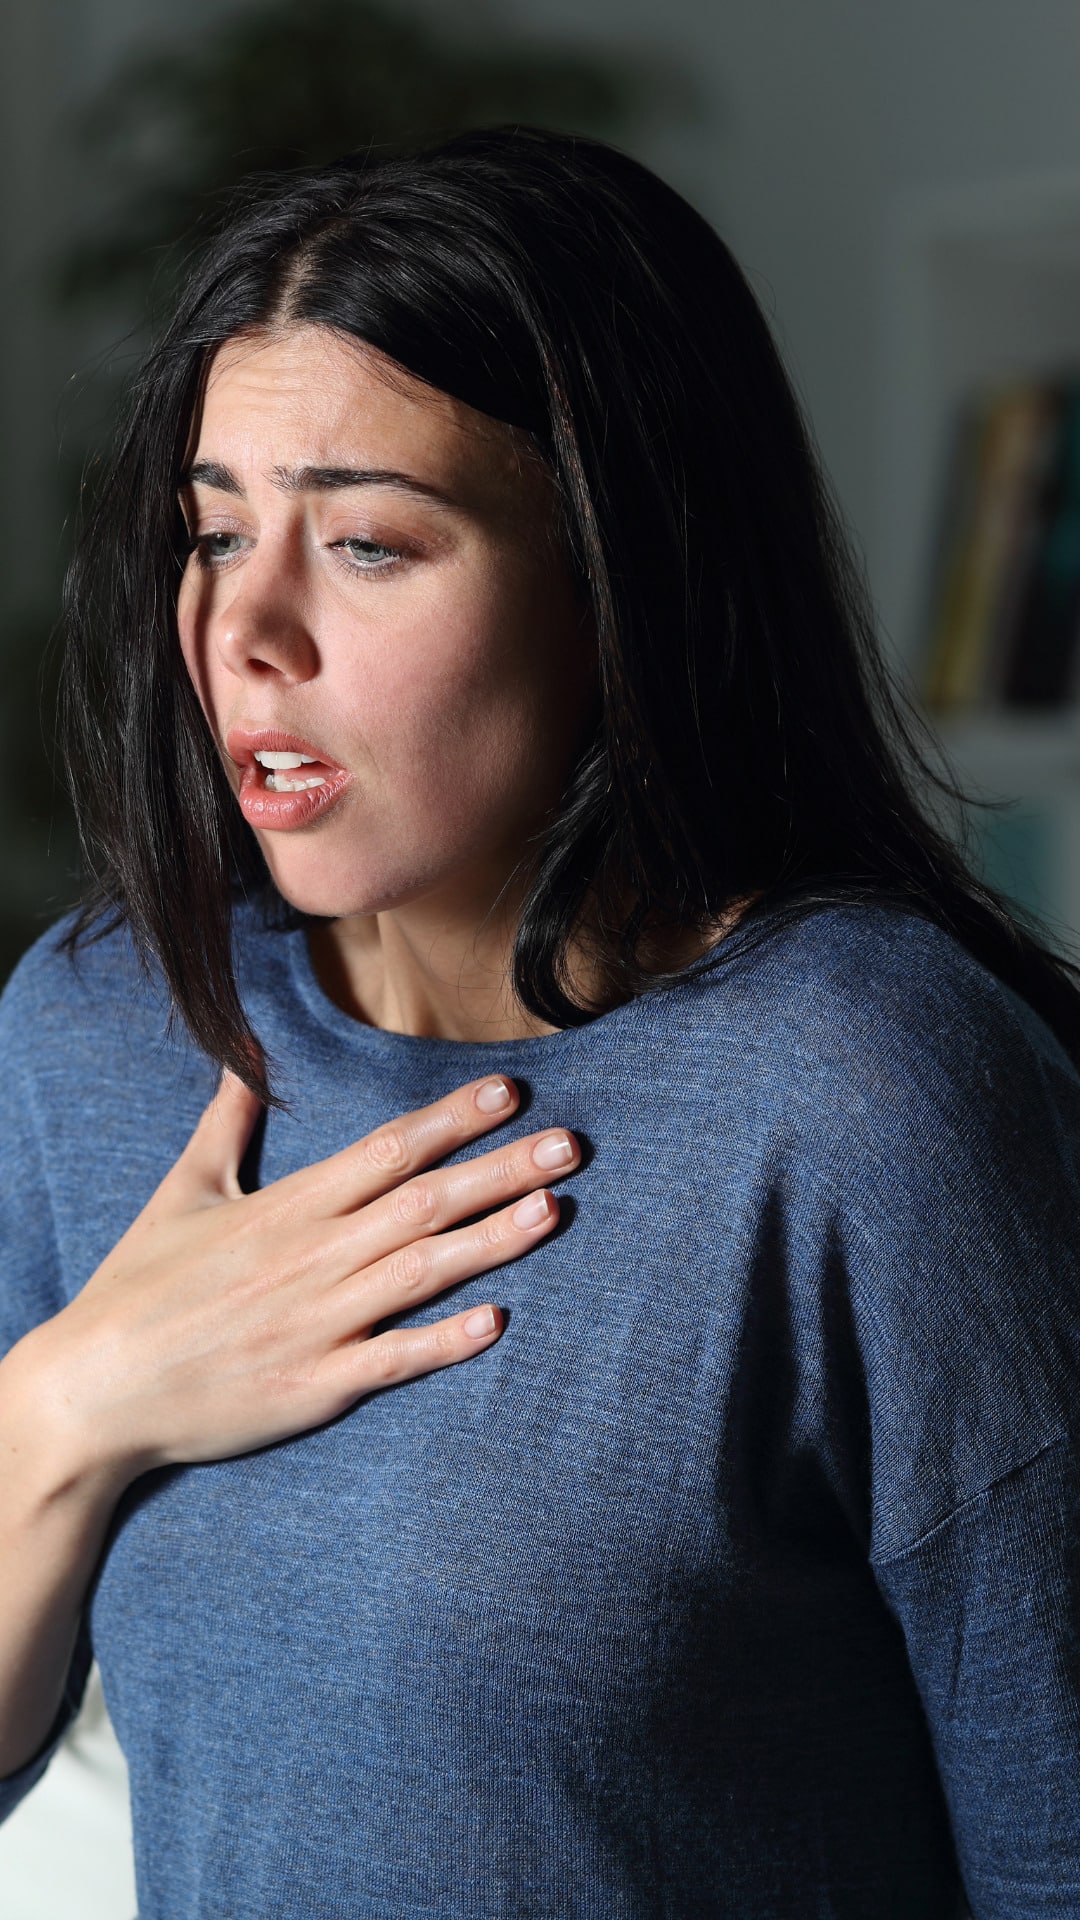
{"x":1004,"y":623}
{"x":1007,"y":443}
{"x":1042,"y":651}
{"x":1022,"y":529}
{"x":955,"y":519}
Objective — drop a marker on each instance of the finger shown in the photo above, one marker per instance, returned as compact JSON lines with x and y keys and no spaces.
{"x":415,"y":1272}
{"x":429,"y":1203}
{"x":365,"y":1366}
{"x":384,"y":1158}
{"x":209,"y":1166}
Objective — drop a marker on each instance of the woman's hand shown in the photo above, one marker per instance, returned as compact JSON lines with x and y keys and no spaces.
{"x":223,"y":1321}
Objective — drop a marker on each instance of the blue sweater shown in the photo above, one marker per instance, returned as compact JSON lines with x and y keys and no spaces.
{"x":738,"y":1578}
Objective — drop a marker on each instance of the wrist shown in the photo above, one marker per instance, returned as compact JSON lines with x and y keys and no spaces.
{"x":62,"y":1448}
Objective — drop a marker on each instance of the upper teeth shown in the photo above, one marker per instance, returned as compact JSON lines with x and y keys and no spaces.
{"x":280,"y":761}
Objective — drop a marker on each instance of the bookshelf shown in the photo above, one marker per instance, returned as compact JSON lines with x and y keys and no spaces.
{"x":981,"y":287}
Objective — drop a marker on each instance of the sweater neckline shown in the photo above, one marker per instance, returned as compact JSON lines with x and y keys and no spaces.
{"x":362,"y":1035}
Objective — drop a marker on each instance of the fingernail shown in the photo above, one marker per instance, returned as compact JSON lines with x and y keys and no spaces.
{"x":530,"y":1212}
{"x":555,"y":1150}
{"x":479,"y":1323}
{"x":493,"y":1095}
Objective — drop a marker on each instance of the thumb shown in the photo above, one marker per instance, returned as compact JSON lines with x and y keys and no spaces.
{"x":210,"y":1163}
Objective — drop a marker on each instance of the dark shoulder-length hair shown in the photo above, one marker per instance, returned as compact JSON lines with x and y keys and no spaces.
{"x":750,"y":743}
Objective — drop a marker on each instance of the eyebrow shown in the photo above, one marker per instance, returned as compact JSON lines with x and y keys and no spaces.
{"x":211,"y":473}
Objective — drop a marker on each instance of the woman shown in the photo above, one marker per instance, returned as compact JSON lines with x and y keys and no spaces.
{"x":479,"y":725}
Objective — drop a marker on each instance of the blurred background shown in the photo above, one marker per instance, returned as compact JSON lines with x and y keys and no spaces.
{"x":901,"y":184}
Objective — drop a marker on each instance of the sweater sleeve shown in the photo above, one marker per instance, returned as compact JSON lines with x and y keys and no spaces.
{"x":989,"y":1604}
{"x":958,"y":1205}
{"x":30,"y":1281}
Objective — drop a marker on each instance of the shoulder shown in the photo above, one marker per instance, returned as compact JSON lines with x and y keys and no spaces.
{"x":58,"y":1000}
{"x":90,"y":1037}
{"x":870,"y":962}
{"x":96,"y":1018}
{"x":923,"y":1094}
{"x":927,"y":1127}
{"x":872,"y":1009}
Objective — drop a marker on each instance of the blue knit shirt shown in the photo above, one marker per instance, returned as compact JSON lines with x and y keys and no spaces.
{"x":738,"y":1578}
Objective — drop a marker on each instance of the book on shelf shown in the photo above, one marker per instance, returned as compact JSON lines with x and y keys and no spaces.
{"x":1003,"y":621}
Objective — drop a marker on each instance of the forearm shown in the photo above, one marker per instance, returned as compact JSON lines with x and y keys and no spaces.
{"x":56,"y":1502}
{"x":988,"y":1601}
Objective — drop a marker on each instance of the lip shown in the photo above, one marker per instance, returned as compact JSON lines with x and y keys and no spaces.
{"x":243,"y":743}
{"x":282,"y":812}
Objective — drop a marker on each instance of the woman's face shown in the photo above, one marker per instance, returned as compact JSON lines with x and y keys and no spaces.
{"x":375,"y":585}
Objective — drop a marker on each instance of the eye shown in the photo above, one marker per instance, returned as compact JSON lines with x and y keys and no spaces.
{"x":211,"y":549}
{"x":369,"y":556}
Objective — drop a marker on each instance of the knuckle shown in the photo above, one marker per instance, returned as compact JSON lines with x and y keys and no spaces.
{"x":491,"y":1236}
{"x":414,"y":1204}
{"x":385,"y":1150}
{"x":384,"y":1358}
{"x":407,"y":1269}
{"x":445,"y":1338}
{"x":507,"y":1169}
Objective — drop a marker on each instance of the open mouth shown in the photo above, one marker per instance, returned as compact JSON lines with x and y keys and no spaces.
{"x":291,"y":772}
{"x":273,"y":761}
{"x":284,"y":781}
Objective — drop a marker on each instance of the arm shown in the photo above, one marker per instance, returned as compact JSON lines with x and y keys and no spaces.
{"x":56,"y":1502}
{"x":989,"y":1604}
{"x":223,"y":1321}
{"x":957,"y":1194}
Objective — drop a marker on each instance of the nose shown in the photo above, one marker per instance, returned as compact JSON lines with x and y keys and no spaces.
{"x":262,"y":629}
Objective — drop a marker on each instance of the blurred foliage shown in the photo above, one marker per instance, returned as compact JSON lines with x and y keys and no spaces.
{"x":271,"y":84}
{"x":40,"y":850}
{"x":291,"y":84}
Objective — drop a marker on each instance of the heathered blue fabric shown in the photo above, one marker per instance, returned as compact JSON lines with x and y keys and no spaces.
{"x":738,"y":1578}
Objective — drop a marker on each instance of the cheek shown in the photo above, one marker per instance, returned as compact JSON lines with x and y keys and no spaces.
{"x":446,"y":758}
{"x":452,"y":723}
{"x":192,"y":651}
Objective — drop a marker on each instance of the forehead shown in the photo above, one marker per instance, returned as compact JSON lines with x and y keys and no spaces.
{"x":307,"y":396}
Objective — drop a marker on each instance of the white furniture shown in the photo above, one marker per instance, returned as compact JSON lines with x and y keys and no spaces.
{"x":65,"y":1853}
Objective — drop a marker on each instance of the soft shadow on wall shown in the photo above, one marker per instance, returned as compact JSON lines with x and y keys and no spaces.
{"x":165,"y":141}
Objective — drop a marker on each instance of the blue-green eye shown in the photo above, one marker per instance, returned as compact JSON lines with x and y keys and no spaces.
{"x":211,"y":548}
{"x":369,"y":556}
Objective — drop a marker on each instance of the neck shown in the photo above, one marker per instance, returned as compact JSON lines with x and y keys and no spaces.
{"x":426,"y":970}
{"x":437,"y":976}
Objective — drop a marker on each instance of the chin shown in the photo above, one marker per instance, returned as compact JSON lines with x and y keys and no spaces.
{"x":325,"y":903}
{"x":322,"y":894}
{"x":335,"y":895}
